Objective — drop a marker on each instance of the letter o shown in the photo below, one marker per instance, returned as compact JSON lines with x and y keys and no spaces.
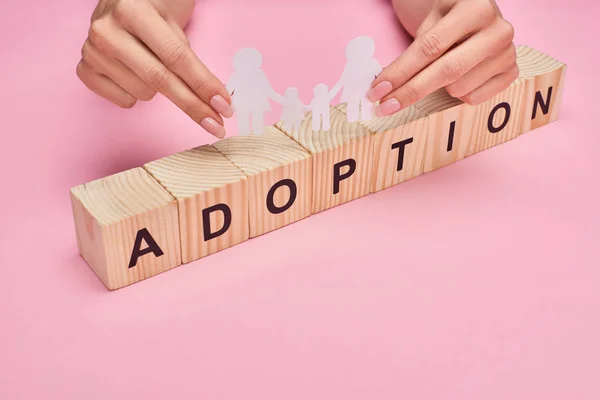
{"x":273,"y":209}
{"x":491,"y":126}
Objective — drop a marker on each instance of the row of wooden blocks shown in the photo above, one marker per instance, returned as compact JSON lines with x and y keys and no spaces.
{"x":144,"y":221}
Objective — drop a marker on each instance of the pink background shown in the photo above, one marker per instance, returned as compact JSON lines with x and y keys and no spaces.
{"x":476,"y":281}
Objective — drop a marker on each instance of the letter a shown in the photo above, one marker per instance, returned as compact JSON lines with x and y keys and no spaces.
{"x":138,"y":252}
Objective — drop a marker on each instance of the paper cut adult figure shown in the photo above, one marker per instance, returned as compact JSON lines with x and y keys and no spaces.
{"x":250,"y":91}
{"x":320,"y":107}
{"x":360,"y":71}
{"x":293,"y":110}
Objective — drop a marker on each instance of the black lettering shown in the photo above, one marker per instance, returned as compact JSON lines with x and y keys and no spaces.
{"x":545,"y":106}
{"x":273,"y":209}
{"x":451,"y":136}
{"x":400,"y":146}
{"x":137,"y":252}
{"x":208,"y":235}
{"x":337,"y":178}
{"x":491,"y":126}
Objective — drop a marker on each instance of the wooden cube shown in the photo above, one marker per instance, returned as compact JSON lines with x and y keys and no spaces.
{"x":398,"y":146}
{"x":212,"y":196}
{"x":458,"y":130}
{"x":497,"y":120}
{"x":127,"y":227}
{"x":449,"y":137}
{"x":279,"y":173}
{"x":544,"y":84}
{"x":342,"y":159}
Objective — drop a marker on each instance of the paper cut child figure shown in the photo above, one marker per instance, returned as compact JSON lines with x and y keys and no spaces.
{"x":293,"y":110}
{"x":320,"y":107}
{"x":250,"y":91}
{"x":360,"y":71}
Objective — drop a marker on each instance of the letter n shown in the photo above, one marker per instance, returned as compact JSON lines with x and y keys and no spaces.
{"x":539,"y":101}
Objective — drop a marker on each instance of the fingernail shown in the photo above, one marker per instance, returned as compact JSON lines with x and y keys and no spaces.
{"x":380,"y":90}
{"x":213,"y":127}
{"x":388,"y":107}
{"x":221,"y":106}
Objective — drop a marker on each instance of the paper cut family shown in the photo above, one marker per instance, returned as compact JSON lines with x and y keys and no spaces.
{"x":251,"y":91}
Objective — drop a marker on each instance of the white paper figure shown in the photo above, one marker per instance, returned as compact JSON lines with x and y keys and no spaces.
{"x":293,"y":110}
{"x":360,"y":71}
{"x":250,"y":91}
{"x":320,"y":107}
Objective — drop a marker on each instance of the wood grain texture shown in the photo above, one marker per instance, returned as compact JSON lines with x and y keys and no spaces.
{"x":478,"y":118}
{"x":108,"y":214}
{"x":545,"y":78}
{"x":398,"y":146}
{"x":266,"y":160}
{"x":344,"y":142}
{"x":199,"y":179}
{"x":458,"y":130}
{"x":443,"y":117}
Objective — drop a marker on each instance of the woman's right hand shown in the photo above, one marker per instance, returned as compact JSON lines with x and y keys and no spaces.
{"x":136,"y":48}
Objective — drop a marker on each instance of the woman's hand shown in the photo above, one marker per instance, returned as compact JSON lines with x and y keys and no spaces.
{"x":137,"y":48}
{"x":465,"y":46}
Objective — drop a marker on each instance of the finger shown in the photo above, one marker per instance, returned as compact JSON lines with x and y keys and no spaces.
{"x":121,"y":45}
{"x":432,"y":18}
{"x":492,"y":87}
{"x":382,"y":87}
{"x":431,"y":45}
{"x":480,"y":74}
{"x":104,"y":87}
{"x":152,"y":29}
{"x":177,"y":29}
{"x":453,"y":65}
{"x":119,"y":73}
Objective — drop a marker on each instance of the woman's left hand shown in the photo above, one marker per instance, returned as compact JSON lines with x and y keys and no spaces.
{"x":465,"y":46}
